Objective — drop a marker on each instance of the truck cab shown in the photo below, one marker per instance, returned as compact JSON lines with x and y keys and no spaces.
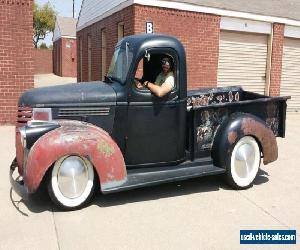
{"x":155,"y":127}
{"x":73,"y":138}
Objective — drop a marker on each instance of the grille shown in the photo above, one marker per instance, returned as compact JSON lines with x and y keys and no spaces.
{"x":65,"y":112}
{"x":23,"y":116}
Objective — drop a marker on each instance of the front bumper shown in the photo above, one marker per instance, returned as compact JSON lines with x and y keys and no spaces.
{"x":16,"y":184}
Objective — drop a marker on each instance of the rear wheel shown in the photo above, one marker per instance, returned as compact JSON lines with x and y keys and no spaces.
{"x":71,"y":183}
{"x":244,"y":163}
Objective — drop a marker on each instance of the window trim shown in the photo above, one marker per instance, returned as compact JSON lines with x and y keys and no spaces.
{"x":121,"y":30}
{"x":174,"y":56}
{"x":103,"y":53}
{"x":89,"y":57}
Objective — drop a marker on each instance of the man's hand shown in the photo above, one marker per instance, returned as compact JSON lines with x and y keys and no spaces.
{"x":138,"y":84}
{"x":145,"y":84}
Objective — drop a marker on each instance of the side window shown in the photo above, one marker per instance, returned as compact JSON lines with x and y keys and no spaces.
{"x":149,"y":70}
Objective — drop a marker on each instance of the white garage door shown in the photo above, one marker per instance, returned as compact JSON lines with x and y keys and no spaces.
{"x":290,"y":76}
{"x":242,"y":60}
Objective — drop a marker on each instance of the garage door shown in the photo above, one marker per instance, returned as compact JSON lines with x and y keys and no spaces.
{"x":242,"y":60}
{"x":290,"y":76}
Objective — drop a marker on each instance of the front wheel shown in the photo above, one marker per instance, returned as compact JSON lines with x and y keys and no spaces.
{"x":71,"y":183}
{"x":244,"y":162}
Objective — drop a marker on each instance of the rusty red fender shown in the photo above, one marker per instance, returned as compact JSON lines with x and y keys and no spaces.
{"x":237,"y":126}
{"x":76,"y":138}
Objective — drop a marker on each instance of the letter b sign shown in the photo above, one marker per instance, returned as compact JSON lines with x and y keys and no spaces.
{"x":149,"y":27}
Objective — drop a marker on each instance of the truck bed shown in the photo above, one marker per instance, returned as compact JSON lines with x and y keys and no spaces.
{"x":209,"y":108}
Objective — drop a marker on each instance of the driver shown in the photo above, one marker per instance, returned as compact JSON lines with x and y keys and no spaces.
{"x":164,"y":82}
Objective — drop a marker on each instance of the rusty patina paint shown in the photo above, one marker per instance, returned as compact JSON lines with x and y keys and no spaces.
{"x":209,"y":122}
{"x":105,"y":148}
{"x":250,"y":126}
{"x":232,"y":136}
{"x":237,"y":96}
{"x":230,"y":96}
{"x":19,"y":151}
{"x":213,"y":98}
{"x":272,"y":119}
{"x":76,"y":138}
{"x":200,"y":100}
{"x":273,"y":124}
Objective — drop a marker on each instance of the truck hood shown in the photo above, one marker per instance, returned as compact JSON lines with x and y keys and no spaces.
{"x":83,"y":92}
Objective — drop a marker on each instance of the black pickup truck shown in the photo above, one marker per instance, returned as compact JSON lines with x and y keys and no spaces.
{"x":112,"y":135}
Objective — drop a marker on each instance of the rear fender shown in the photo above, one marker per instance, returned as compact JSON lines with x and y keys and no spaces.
{"x":76,"y":138}
{"x":239,"y":125}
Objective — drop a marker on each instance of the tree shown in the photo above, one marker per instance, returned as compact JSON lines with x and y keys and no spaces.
{"x":43,"y":22}
{"x":43,"y":46}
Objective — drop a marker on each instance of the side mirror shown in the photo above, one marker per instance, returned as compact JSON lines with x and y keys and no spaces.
{"x":147,"y":55}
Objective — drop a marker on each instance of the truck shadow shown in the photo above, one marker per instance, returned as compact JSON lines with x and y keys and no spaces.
{"x":167,"y":190}
{"x":37,"y":203}
{"x":41,"y":202}
{"x":192,"y":186}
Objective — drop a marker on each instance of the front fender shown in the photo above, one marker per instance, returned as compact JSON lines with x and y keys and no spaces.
{"x":239,"y":125}
{"x":76,"y":138}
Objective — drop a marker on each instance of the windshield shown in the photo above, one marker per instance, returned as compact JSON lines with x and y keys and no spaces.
{"x":120,"y":64}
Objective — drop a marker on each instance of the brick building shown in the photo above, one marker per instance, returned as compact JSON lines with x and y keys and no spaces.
{"x":255,"y":44}
{"x":16,"y":55}
{"x":43,"y":61}
{"x":64,"y":47}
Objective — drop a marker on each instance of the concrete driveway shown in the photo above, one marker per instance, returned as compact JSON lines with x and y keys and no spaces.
{"x":197,"y":214}
{"x":43,"y":80}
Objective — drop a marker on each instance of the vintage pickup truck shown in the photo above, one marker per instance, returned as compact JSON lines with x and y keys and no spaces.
{"x":113,"y":136}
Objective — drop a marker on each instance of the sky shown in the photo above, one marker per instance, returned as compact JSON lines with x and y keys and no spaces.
{"x":63,"y":8}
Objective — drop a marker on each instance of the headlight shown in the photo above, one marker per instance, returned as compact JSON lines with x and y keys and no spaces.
{"x":23,"y":136}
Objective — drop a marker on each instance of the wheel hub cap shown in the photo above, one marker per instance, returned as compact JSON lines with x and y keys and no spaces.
{"x":72,"y":177}
{"x":244,"y":159}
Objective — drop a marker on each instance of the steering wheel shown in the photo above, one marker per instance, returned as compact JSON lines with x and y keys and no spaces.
{"x":137,"y":81}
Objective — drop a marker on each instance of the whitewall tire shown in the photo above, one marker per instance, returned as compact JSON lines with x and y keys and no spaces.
{"x":71,"y":182}
{"x":244,"y":163}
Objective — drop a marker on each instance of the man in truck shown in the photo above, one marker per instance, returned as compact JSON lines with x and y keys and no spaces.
{"x":164,"y":82}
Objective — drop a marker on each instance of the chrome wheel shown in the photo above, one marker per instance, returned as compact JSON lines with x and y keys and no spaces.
{"x":72,"y":177}
{"x":72,"y":181}
{"x":245,"y":161}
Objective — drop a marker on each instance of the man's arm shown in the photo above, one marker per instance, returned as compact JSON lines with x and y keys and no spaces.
{"x":159,"y":91}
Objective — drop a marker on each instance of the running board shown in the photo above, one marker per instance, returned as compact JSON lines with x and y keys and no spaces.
{"x":156,"y":175}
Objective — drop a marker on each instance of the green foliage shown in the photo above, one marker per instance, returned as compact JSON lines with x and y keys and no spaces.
{"x":43,"y":22}
{"x":43,"y":46}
